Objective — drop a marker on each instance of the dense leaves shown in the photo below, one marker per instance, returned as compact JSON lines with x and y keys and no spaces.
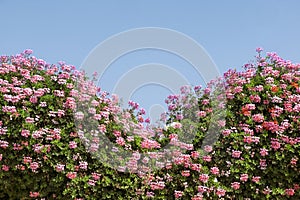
{"x":238,"y":138}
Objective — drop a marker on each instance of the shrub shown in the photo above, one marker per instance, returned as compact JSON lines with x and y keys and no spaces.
{"x":258,"y":149}
{"x":41,"y":154}
{"x":61,"y":137}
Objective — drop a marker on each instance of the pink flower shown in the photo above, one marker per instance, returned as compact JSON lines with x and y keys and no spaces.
{"x":176,"y":125}
{"x":296,"y":187}
{"x":255,"y":98}
{"x":262,"y":163}
{"x":222,"y":123}
{"x":150,"y":144}
{"x":150,"y":194}
{"x":226,"y":132}
{"x":39,"y":92}
{"x":71,"y":175}
{"x":255,"y":179}
{"x":29,"y":120}
{"x":259,"y":49}
{"x":276,"y":99}
{"x":17,"y":147}
{"x":97,"y":117}
{"x":94,"y":147}
{"x":203,"y":178}
{"x":275,"y":144}
{"x":157,"y":185}
{"x":202,"y":189}
{"x":258,"y":118}
{"x":43,"y":104}
{"x":288,"y":106}
{"x":173,"y":136}
{"x":117,"y":133}
{"x":250,"y":106}
{"x":70,"y":103}
{"x":178,"y":194}
{"x":266,"y":102}
{"x":294,"y":161}
{"x":83,"y":165}
{"x":28,"y":51}
{"x":267,"y":190}
{"x":133,"y":104}
{"x":201,"y":113}
{"x":25,"y":133}
{"x":72,"y":144}
{"x":185,"y":173}
{"x":60,"y":167}
{"x":244,"y":177}
{"x":96,"y":176}
{"x":3,"y":144}
{"x":147,"y":120}
{"x":195,"y":154}
{"x":60,"y":113}
{"x":33,"y":99}
{"x":92,"y":110}
{"x":235,"y":185}
{"x":207,"y":90}
{"x":221,"y":192}
{"x":136,"y":155}
{"x":2,"y":130}
{"x":34,"y":194}
{"x":121,"y":168}
{"x":205,"y":101}
{"x":140,"y":118}
{"x":258,"y":128}
{"x":248,"y":139}
{"x":27,"y":160}
{"x":34,"y":166}
{"x":5,"y":168}
{"x":27,"y":91}
{"x":238,"y":89}
{"x":206,"y":158}
{"x":214,"y":170}
{"x":196,"y":167}
{"x":236,"y":154}
{"x":11,"y":109}
{"x":208,"y":148}
{"x":197,"y":88}
{"x":37,"y":134}
{"x":91,"y":182}
{"x":74,"y":93}
{"x":120,"y":141}
{"x":62,"y":81}
{"x":290,"y":192}
{"x":20,"y":167}
{"x":255,"y":139}
{"x":197,"y":197}
{"x":102,"y":128}
{"x":229,"y":95}
{"x":263,"y":152}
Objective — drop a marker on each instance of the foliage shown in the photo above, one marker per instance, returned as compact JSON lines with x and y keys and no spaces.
{"x":237,"y":138}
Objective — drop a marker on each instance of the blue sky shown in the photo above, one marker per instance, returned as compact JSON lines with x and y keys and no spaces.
{"x":228,"y":30}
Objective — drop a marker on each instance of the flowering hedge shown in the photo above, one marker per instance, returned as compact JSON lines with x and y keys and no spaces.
{"x":41,"y":154}
{"x":53,"y":121}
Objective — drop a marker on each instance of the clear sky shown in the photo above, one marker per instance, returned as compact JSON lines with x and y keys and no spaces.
{"x":228,"y":30}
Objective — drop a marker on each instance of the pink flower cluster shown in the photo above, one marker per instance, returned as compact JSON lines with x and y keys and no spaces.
{"x":259,"y":133}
